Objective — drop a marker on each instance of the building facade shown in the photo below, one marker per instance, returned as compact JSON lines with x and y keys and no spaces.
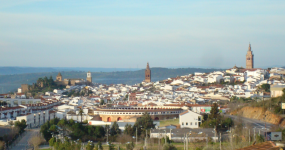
{"x":60,"y":81}
{"x":132,"y":113}
{"x":190,"y":119}
{"x":276,"y":90}
{"x":249,"y":58}
{"x":147,"y":74}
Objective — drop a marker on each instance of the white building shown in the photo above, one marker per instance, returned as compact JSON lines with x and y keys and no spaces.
{"x":189,"y":119}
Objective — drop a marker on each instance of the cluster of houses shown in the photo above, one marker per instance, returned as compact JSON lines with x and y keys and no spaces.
{"x":195,"y":91}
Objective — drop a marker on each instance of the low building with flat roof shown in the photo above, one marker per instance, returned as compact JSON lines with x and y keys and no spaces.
{"x":276,"y":90}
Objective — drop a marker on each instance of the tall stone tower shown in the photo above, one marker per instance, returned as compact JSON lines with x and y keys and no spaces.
{"x":249,"y":58}
{"x":59,"y":77}
{"x":89,"y":77}
{"x":147,"y":74}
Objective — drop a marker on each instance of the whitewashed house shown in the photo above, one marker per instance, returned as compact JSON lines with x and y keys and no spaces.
{"x":189,"y":119}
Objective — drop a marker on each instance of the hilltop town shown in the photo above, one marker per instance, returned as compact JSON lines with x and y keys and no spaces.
{"x":186,"y":99}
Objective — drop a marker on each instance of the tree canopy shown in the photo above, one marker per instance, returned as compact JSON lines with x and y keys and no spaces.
{"x":75,"y":130}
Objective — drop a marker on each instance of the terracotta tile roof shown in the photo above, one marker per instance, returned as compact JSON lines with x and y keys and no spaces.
{"x":262,"y":146}
{"x":183,"y":113}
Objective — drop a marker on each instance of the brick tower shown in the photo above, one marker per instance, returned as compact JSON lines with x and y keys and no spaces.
{"x":147,"y":74}
{"x":59,"y":77}
{"x":249,"y":58}
{"x":89,"y":78}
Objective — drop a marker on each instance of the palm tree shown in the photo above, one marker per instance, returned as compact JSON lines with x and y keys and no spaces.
{"x":81,"y":113}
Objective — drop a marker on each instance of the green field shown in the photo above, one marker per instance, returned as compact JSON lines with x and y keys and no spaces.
{"x":164,"y":123}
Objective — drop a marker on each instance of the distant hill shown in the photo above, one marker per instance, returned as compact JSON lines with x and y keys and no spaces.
{"x":23,"y":70}
{"x":12,"y":82}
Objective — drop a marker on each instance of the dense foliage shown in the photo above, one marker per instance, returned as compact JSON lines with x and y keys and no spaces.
{"x":65,"y":144}
{"x":74,"y":130}
{"x":266,"y":87}
{"x":43,"y":85}
{"x":215,"y":120}
{"x":21,"y":125}
{"x":141,"y":125}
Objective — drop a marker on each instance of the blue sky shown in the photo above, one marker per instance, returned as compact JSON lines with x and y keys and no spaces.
{"x":128,"y":34}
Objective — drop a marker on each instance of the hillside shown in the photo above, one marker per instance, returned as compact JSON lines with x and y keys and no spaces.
{"x":259,"y":114}
{"x":12,"y":82}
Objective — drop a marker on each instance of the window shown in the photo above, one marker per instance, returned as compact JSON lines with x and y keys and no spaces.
{"x":186,"y":123}
{"x":195,"y":123}
{"x":191,"y":123}
{"x":183,"y":123}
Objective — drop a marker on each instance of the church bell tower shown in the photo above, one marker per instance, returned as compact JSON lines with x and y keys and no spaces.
{"x":147,"y":74}
{"x":89,"y":78}
{"x":249,"y":58}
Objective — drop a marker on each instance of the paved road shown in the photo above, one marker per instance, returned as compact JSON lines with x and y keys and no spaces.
{"x":22,"y":143}
{"x":257,"y":124}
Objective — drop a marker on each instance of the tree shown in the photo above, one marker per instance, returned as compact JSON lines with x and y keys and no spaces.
{"x":2,"y":145}
{"x":52,"y":141}
{"x":128,"y":129}
{"x":62,"y":123}
{"x":111,"y":146}
{"x":51,"y":81}
{"x":115,"y":129}
{"x":11,"y":123}
{"x":21,"y":125}
{"x":266,"y":87}
{"x":35,"y":141}
{"x":90,"y":146}
{"x":283,"y":95}
{"x":169,"y":147}
{"x":102,"y":102}
{"x":214,"y":116}
{"x":214,"y":113}
{"x":130,"y":146}
{"x":144,"y":123}
{"x":99,"y":132}
{"x":53,"y":128}
{"x":81,"y":113}
{"x":99,"y":146}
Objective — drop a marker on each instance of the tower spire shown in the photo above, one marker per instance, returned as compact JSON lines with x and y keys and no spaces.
{"x":249,"y":47}
{"x":147,"y":66}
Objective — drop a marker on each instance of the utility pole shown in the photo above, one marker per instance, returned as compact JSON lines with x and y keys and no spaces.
{"x":165,"y":137}
{"x":231,"y":139}
{"x":207,"y":139}
{"x":145,"y":138}
{"x":159,"y":139}
{"x":184,"y":142}
{"x":254,"y":133}
{"x":265,"y":128}
{"x":215,"y":135}
{"x":249,"y":135}
{"x":170,"y":135}
{"x":107,"y":136}
{"x":220,"y":141}
{"x":187,"y":141}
